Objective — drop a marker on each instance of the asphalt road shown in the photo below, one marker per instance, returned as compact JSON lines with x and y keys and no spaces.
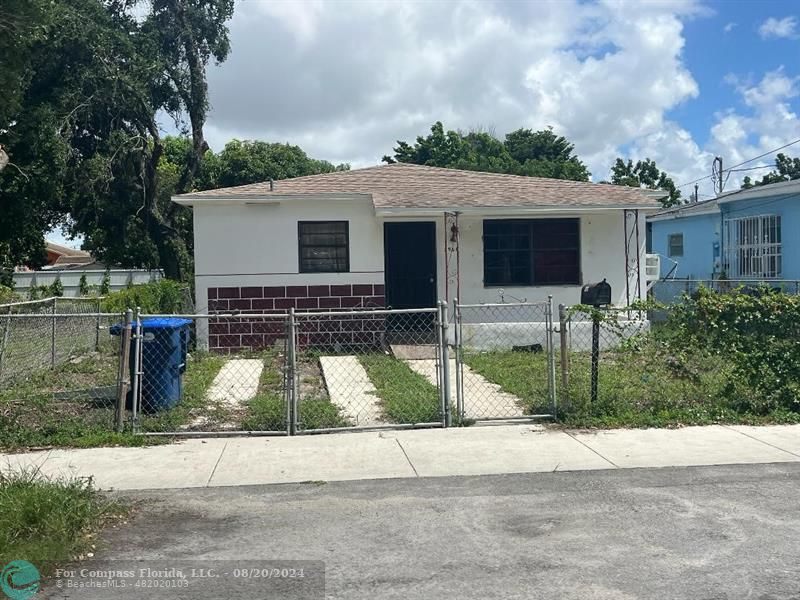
{"x":667,"y":534}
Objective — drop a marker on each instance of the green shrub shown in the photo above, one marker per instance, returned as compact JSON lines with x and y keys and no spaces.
{"x":757,"y":331}
{"x":7,"y":295}
{"x":83,"y":286}
{"x":105,"y":284}
{"x":56,"y":289}
{"x":157,"y":297}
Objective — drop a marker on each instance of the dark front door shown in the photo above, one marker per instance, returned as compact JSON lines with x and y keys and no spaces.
{"x":410,"y":264}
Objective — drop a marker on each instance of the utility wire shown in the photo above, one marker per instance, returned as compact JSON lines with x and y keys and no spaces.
{"x":730,"y":169}
{"x":751,"y":168}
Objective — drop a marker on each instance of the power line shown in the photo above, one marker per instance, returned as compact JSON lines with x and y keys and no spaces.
{"x":752,"y":168}
{"x":766,"y":153}
{"x":731,"y":169}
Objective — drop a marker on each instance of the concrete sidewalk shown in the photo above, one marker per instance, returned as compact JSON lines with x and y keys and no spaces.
{"x":480,"y":450}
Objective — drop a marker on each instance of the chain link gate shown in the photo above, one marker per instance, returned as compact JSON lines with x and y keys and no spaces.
{"x":505,"y":361}
{"x":367,"y":369}
{"x":211,"y":374}
{"x":288,"y":373}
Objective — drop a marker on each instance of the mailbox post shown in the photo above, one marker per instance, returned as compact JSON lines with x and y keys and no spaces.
{"x":596,"y":295}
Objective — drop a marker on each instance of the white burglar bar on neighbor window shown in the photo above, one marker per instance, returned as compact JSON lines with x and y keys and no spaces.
{"x":753,"y":247}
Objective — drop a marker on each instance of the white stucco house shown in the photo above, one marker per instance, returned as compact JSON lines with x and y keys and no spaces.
{"x":405,"y":236}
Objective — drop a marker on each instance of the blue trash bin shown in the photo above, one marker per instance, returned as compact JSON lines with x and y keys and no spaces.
{"x":165,"y":345}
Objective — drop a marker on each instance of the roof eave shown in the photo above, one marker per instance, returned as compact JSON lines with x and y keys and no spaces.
{"x":516,"y":209}
{"x":265,"y":198}
{"x":682,"y":215}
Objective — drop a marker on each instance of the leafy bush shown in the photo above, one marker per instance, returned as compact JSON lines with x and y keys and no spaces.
{"x":56,"y":288}
{"x":83,"y":286}
{"x":7,"y":295}
{"x":757,"y":331}
{"x":105,"y":284}
{"x":164,"y":297}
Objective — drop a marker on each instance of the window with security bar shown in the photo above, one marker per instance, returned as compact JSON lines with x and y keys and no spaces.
{"x":753,"y":247}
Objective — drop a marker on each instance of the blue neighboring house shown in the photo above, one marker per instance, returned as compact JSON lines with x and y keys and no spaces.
{"x":751,"y":234}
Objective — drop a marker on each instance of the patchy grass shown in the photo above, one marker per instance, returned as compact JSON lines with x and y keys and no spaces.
{"x":267,"y":411}
{"x":201,"y":369}
{"x":650,"y":386}
{"x":523,"y":374}
{"x":50,"y":521}
{"x":642,"y":384}
{"x":71,"y":405}
{"x":406,"y":396}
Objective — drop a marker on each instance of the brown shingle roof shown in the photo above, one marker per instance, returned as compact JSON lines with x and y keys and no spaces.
{"x":404,"y":185}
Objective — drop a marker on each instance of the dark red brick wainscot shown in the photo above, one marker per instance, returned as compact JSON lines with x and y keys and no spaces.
{"x":228,"y":334}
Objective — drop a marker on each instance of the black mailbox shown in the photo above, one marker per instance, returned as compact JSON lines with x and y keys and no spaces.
{"x":596,"y":294}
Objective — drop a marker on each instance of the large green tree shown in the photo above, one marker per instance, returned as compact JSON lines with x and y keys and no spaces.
{"x":84,"y":134}
{"x":250,"y":161}
{"x":645,"y":174}
{"x":28,"y":198}
{"x":522,"y":152}
{"x":786,"y":169}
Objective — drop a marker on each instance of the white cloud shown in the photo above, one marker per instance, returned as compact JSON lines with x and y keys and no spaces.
{"x":729,"y":27}
{"x":345,"y":80}
{"x":778,"y":28}
{"x":766,"y":121}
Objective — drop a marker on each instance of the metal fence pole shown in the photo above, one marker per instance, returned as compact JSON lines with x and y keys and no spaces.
{"x":551,"y":357}
{"x":286,"y":369}
{"x":53,"y":336}
{"x":97,"y":327}
{"x":138,"y":372}
{"x":4,"y":340}
{"x":291,"y":356}
{"x":124,"y":375}
{"x":459,"y":358}
{"x":445,"y":353}
{"x":595,"y":354}
{"x":562,"y":334}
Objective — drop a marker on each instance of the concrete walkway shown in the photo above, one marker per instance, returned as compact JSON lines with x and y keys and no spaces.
{"x":350,"y":388}
{"x":482,"y":398}
{"x":479,"y":450}
{"x":237,"y":381}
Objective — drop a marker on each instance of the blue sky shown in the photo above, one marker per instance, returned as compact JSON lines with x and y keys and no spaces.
{"x":725,"y":41}
{"x":677,"y":81}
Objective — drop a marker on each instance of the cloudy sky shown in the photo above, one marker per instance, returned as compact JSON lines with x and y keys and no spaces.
{"x":676,"y":81}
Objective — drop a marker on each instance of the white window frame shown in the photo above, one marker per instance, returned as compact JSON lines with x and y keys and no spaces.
{"x":753,"y":248}
{"x":669,"y":245}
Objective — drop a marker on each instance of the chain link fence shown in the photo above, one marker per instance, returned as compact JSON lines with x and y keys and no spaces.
{"x":505,"y":362}
{"x":593,"y":344}
{"x":69,"y":372}
{"x":46,"y":333}
{"x":618,"y":363}
{"x":367,"y":369}
{"x":59,"y":371}
{"x":72,"y":375}
{"x":223,"y":373}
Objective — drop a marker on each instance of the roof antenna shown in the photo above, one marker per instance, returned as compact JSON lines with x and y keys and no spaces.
{"x":271,"y":185}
